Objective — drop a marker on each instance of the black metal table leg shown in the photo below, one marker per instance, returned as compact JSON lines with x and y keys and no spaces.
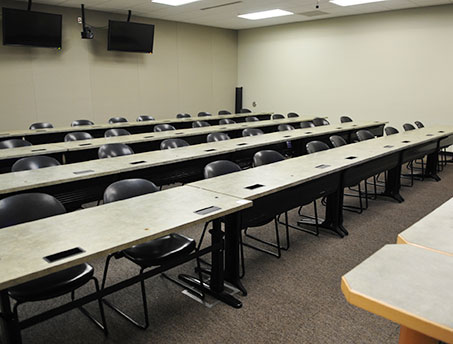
{"x":431,"y":166}
{"x":393,"y":184}
{"x":10,"y":332}
{"x":334,"y":213}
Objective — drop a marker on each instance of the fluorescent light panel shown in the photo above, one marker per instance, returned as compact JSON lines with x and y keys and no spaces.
{"x":265,"y":14}
{"x":174,"y":2}
{"x":353,"y":2}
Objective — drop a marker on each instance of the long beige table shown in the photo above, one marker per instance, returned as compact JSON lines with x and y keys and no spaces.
{"x":407,"y":285}
{"x":433,"y":232}
{"x":105,"y":229}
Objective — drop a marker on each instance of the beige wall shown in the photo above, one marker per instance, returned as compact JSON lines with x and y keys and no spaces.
{"x":193,"y":68}
{"x":395,"y":66}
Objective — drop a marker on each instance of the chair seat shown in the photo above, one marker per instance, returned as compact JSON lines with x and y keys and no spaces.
{"x":53,"y":285}
{"x":158,"y":251}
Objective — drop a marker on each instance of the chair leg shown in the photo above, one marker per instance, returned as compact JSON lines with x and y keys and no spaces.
{"x":277,"y":245}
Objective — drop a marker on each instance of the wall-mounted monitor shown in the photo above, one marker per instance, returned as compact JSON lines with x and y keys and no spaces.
{"x":39,"y":29}
{"x":131,"y":37}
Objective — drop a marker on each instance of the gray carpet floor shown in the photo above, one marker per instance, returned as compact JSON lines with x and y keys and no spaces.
{"x":295,"y":299}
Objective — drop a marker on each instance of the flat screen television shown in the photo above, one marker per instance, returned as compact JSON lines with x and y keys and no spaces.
{"x":21,"y":27}
{"x":131,"y":37}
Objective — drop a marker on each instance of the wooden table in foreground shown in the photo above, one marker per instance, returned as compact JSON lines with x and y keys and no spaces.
{"x":407,"y":285}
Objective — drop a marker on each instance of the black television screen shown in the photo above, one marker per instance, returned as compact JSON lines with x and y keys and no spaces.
{"x":132,"y":37}
{"x":31,"y":28}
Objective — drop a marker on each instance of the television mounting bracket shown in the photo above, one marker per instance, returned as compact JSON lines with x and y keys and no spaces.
{"x":129,"y":13}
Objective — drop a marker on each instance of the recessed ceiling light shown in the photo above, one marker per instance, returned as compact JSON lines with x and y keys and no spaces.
{"x":174,"y":2}
{"x":353,"y":2}
{"x":265,"y":14}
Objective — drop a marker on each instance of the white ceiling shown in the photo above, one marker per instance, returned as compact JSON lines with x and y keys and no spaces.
{"x":226,"y":16}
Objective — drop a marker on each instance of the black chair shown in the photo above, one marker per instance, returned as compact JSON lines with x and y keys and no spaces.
{"x":14,"y":143}
{"x":28,"y":207}
{"x":116,"y":132}
{"x":40,"y":125}
{"x":278,"y":116}
{"x":157,"y":253}
{"x":214,"y":137}
{"x":144,"y":118}
{"x":117,"y":120}
{"x":265,"y":157}
{"x":307,"y":124}
{"x":173,"y":143}
{"x":244,"y":110}
{"x":226,"y":121}
{"x":419,"y":124}
{"x":345,"y":119}
{"x":224,"y":112}
{"x":77,"y":136}
{"x":183,"y":115}
{"x":285,"y":127}
{"x":292,"y":115}
{"x":252,"y":132}
{"x":390,"y":131}
{"x":220,"y":167}
{"x":163,"y":127}
{"x":364,"y":135}
{"x":316,"y":146}
{"x":200,"y":124}
{"x":252,"y":119}
{"x":318,"y":121}
{"x":204,"y":114}
{"x":80,"y":122}
{"x":408,"y":127}
{"x":337,"y":141}
{"x":113,"y":150}
{"x":34,"y":163}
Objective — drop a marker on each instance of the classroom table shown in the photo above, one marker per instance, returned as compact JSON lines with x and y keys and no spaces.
{"x":433,"y":232}
{"x":39,"y":136}
{"x":100,"y":231}
{"x":408,"y":285}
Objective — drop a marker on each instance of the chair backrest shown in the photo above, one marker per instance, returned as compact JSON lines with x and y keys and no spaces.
{"x":244,"y":110}
{"x":41,"y":125}
{"x":345,"y":119}
{"x":144,"y":118}
{"x":183,"y":115}
{"x":226,"y":121}
{"x":252,"y":132}
{"x":33,"y":163}
{"x":318,"y":121}
{"x":292,"y":115}
{"x":220,"y":167}
{"x":307,"y":124}
{"x":117,"y":120}
{"x":79,"y":122}
{"x":278,"y":116}
{"x":113,"y":150}
{"x":408,"y":127}
{"x":265,"y":157}
{"x":364,"y":135}
{"x":199,"y":124}
{"x":419,"y":124}
{"x":77,"y":136}
{"x":28,"y":207}
{"x":204,"y":114}
{"x":14,"y":143}
{"x":316,"y":146}
{"x":173,"y":143}
{"x":252,"y":119}
{"x":390,"y":131}
{"x":224,"y":112}
{"x":337,"y":141}
{"x":116,"y":132}
{"x":163,"y":127}
{"x":284,"y":127}
{"x":128,"y":188}
{"x":214,"y":137}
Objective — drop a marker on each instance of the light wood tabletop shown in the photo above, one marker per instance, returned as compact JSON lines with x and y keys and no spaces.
{"x":408,"y":285}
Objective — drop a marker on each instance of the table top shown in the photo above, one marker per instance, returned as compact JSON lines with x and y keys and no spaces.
{"x":28,"y":132}
{"x":291,"y":172}
{"x":408,"y":285}
{"x":104,"y":229}
{"x":26,"y":180}
{"x":434,"y":231}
